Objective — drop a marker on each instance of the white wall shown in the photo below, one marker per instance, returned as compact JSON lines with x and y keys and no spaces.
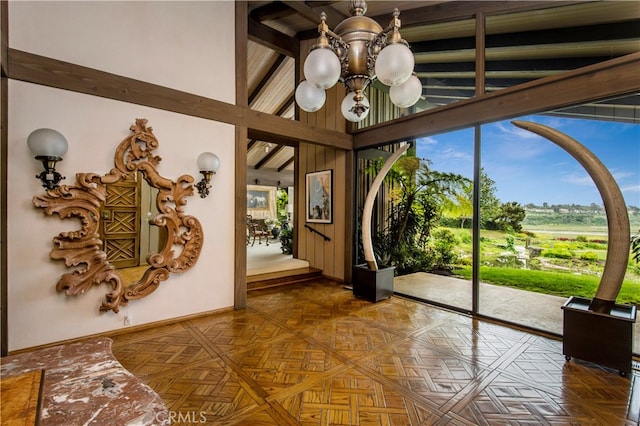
{"x":178,"y":44}
{"x":167,"y":43}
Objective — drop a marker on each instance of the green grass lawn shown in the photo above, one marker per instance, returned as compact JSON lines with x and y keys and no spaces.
{"x":580,"y":277}
{"x":563,"y":284}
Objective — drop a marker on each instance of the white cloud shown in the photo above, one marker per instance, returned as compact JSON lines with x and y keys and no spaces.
{"x":429,"y":140}
{"x":578,"y":178}
{"x":518,"y":132}
{"x":454,"y":154}
{"x":631,"y":188}
{"x":621,"y":175}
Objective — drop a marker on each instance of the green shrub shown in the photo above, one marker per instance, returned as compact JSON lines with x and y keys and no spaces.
{"x":464,"y":261}
{"x":581,"y":238}
{"x":596,"y":246}
{"x":444,"y":244}
{"x":510,"y":243}
{"x":589,"y":256}
{"x":286,"y":239}
{"x":558,"y":253}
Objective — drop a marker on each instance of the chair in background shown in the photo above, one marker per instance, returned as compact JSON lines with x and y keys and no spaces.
{"x":257,"y":228}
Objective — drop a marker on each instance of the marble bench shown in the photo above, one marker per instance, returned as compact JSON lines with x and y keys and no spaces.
{"x":83,"y":384}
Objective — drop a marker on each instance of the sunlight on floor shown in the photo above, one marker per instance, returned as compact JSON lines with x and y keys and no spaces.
{"x":262,"y":259}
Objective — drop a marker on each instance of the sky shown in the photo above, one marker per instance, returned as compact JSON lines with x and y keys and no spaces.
{"x":528,"y":168}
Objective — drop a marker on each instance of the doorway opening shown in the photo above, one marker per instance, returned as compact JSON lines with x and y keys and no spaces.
{"x":270,"y":209}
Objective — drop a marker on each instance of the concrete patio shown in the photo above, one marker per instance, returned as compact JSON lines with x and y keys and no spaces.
{"x":536,"y":310}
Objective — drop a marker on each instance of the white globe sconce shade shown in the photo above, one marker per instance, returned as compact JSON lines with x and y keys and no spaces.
{"x":208,"y":164}
{"x":309,"y":97}
{"x":322,"y":68}
{"x":208,"y":161}
{"x":348,"y":103}
{"x":48,"y":146}
{"x":406,"y":94}
{"x":394,"y":64}
{"x":47,"y":143}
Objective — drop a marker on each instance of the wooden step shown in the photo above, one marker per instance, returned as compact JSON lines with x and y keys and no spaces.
{"x":273,"y":279}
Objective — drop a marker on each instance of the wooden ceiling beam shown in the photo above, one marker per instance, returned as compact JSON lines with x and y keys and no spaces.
{"x":274,"y":67}
{"x":269,"y":177}
{"x":459,"y":10}
{"x":334,"y":17}
{"x":267,"y":127}
{"x":271,"y":11}
{"x":272,"y":39}
{"x":269,"y":156}
{"x":286,"y":105}
{"x":285,"y":164}
{"x":31,"y":68}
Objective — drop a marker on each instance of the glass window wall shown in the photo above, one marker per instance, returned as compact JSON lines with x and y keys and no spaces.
{"x":542,"y":232}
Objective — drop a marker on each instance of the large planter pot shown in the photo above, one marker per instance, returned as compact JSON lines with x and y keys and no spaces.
{"x":604,"y":339}
{"x":371,"y":285}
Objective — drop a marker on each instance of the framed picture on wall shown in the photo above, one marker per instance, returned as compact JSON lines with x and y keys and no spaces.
{"x":257,"y":200}
{"x":319,"y":197}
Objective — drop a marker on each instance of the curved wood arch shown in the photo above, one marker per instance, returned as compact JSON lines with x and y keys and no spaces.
{"x":84,"y":200}
{"x":617,"y":217}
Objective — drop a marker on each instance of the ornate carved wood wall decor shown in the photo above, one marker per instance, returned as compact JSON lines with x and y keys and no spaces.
{"x":82,"y":248}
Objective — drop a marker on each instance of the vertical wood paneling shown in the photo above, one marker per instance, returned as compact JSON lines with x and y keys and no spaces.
{"x":348,"y":158}
{"x":328,"y":256}
{"x":327,"y":247}
{"x":309,"y":165}
{"x":317,"y":163}
{"x":325,"y":255}
{"x":339,"y":211}
{"x":335,"y":120}
{"x":382,"y":109}
{"x":305,"y":46}
{"x":331,"y":116}
{"x":300,"y":251}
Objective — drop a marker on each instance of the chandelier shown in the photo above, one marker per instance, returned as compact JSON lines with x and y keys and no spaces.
{"x":356,"y":53}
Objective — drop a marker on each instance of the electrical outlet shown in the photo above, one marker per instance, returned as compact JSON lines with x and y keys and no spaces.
{"x":127,"y":320}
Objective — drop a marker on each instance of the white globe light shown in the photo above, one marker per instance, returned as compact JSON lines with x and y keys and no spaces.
{"x":208,"y":162}
{"x":322,"y":68}
{"x":406,"y":94}
{"x":394,"y":64}
{"x":309,"y":98}
{"x":348,"y":102}
{"x":47,"y":143}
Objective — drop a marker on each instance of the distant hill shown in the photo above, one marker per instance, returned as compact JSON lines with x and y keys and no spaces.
{"x":574,"y":215}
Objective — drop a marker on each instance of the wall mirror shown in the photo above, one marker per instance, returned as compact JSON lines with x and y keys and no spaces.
{"x":134,"y":232}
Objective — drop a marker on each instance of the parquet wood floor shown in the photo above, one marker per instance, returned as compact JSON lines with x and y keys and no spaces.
{"x":312,"y":354}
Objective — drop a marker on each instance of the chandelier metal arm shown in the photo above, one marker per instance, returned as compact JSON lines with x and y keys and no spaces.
{"x":393,"y":28}
{"x":330,"y":40}
{"x":364,"y":54}
{"x":337,"y":44}
{"x":324,"y":31}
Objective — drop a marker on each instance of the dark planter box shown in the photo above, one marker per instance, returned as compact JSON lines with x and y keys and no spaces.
{"x":604,"y":339}
{"x":373,"y":286}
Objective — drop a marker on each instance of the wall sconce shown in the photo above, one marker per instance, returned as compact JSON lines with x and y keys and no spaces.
{"x":48,"y":146}
{"x":208,"y":164}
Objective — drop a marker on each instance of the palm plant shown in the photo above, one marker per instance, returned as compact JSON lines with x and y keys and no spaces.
{"x":416,"y":203}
